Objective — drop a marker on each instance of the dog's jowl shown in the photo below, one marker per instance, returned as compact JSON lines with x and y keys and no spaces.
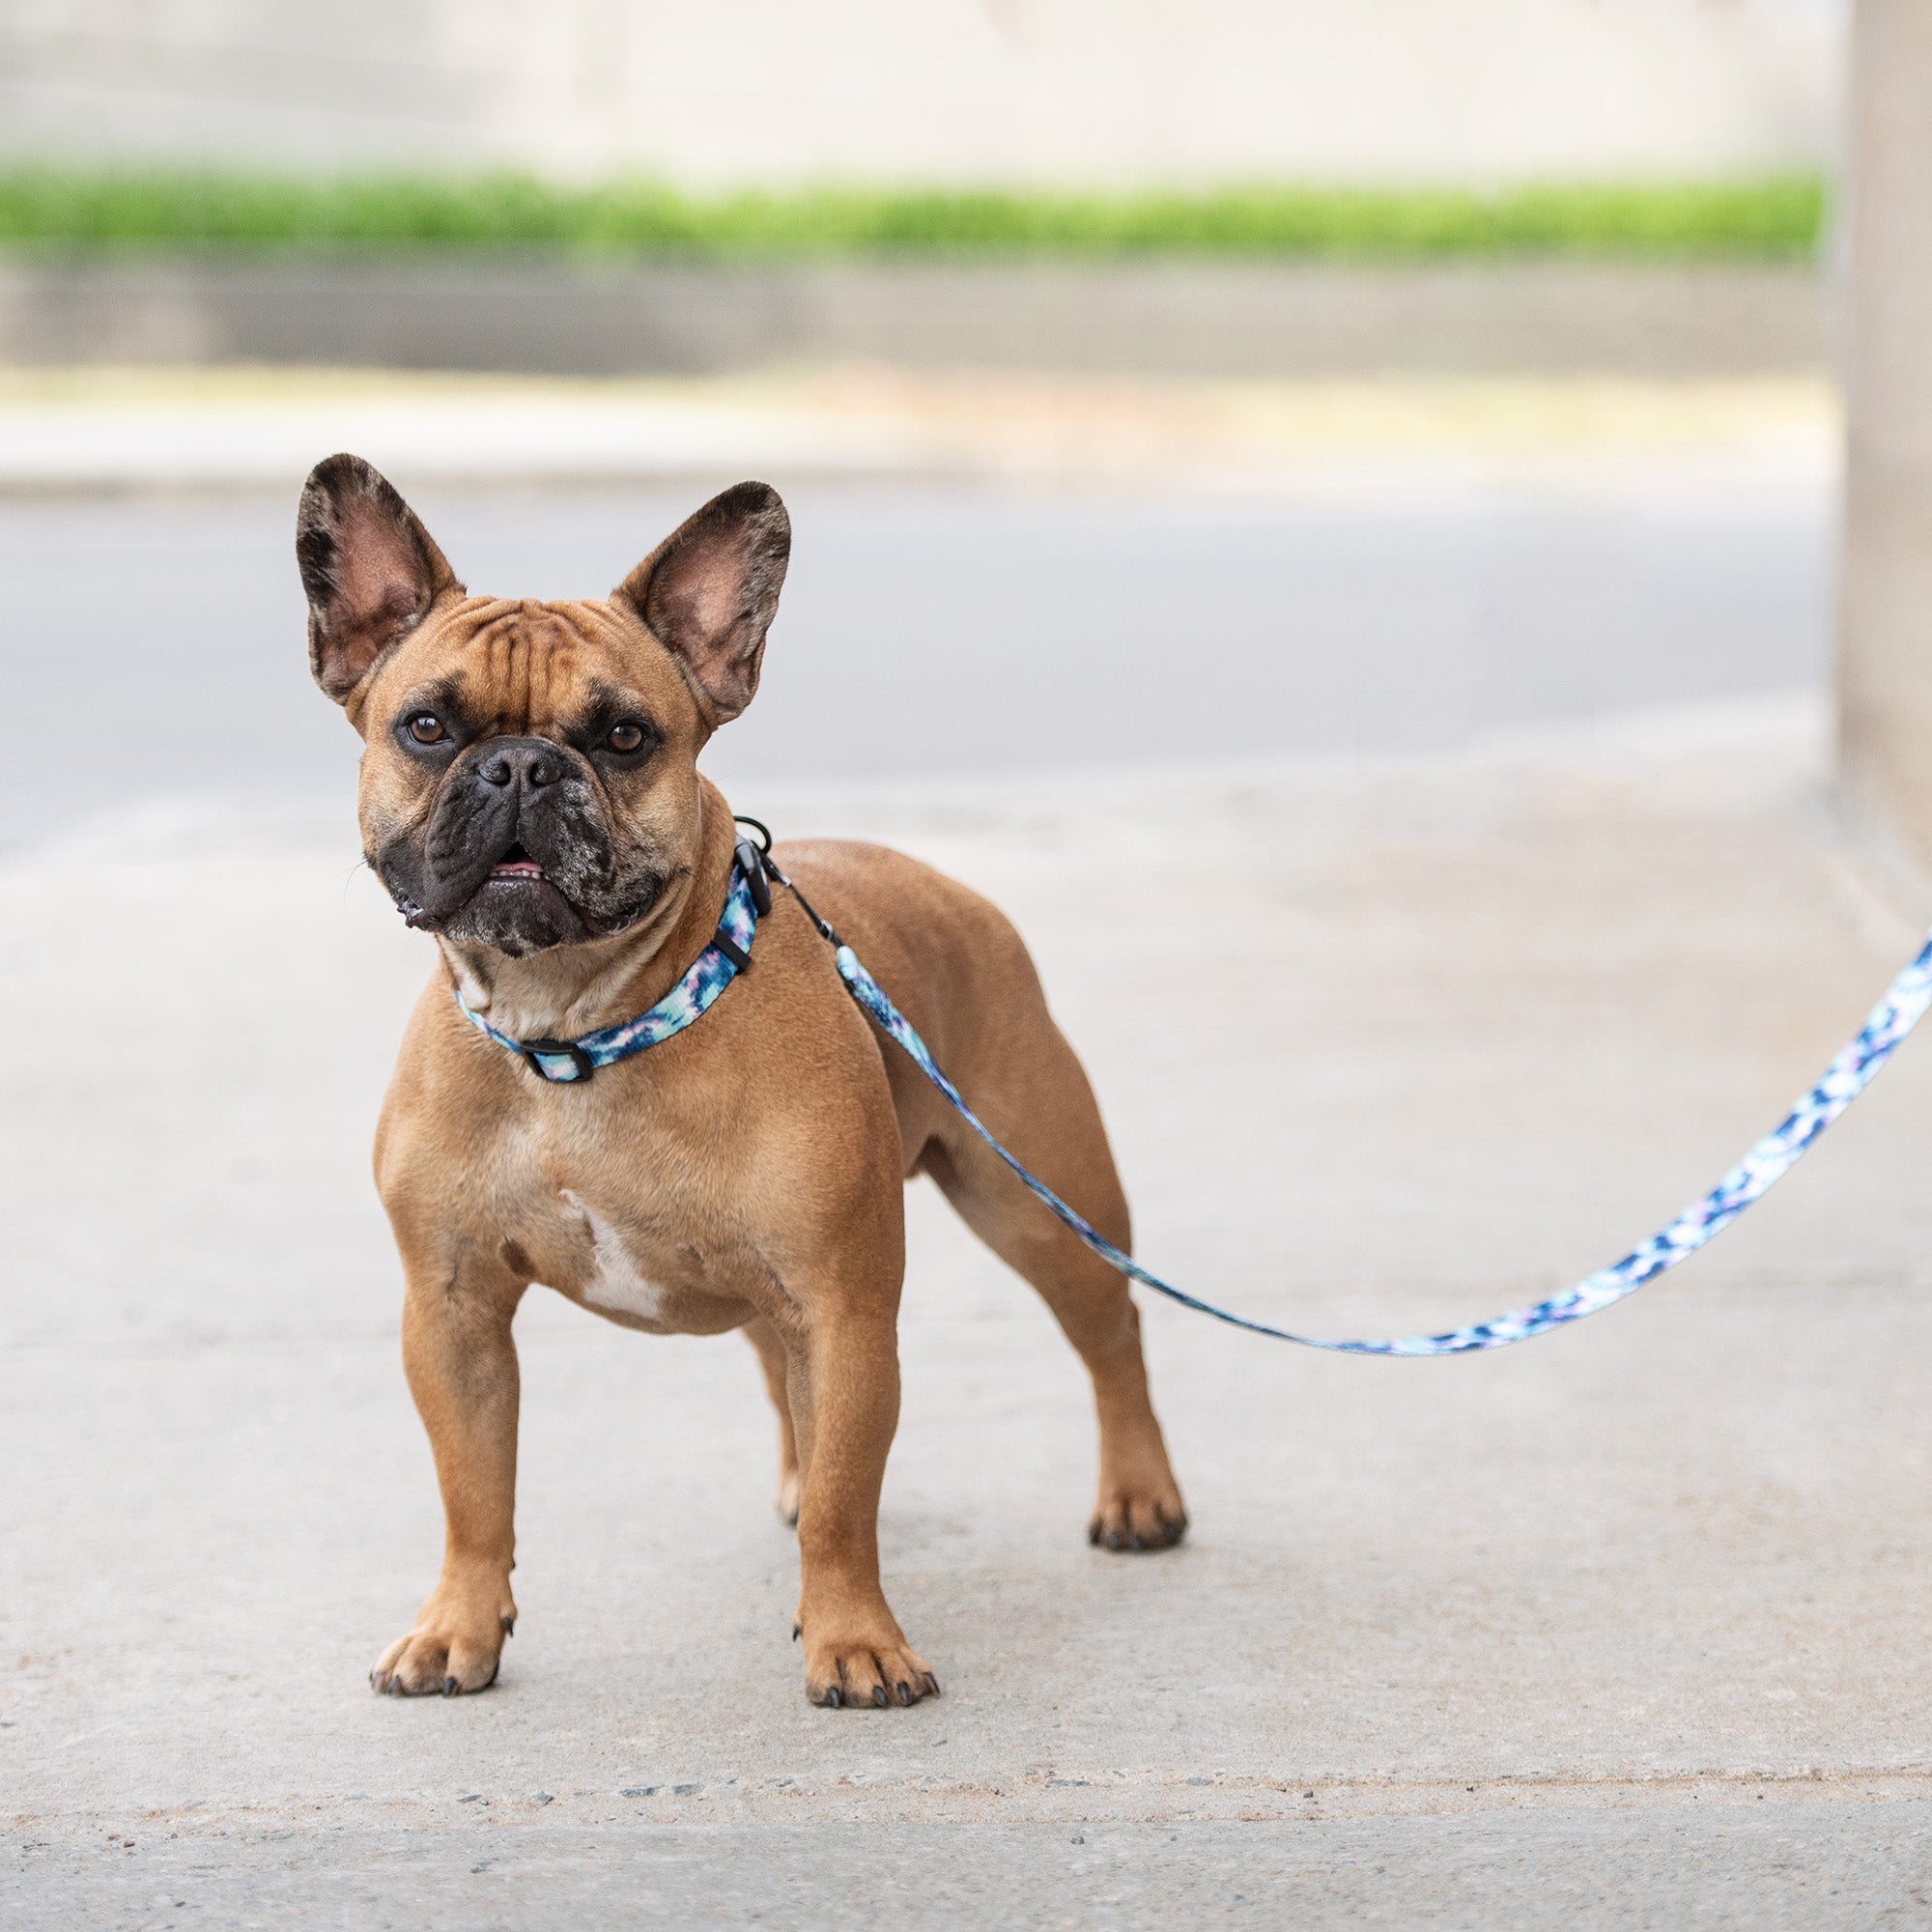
{"x":529,"y":795}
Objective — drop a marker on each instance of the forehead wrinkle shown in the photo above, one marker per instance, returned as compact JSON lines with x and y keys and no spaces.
{"x":585,"y":651}
{"x":553,"y":665}
{"x":485,"y":668}
{"x":522,"y":666}
{"x":479,"y":610}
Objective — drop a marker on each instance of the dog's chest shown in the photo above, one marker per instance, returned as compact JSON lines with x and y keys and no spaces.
{"x":633,"y":1235}
{"x":613,"y":1277}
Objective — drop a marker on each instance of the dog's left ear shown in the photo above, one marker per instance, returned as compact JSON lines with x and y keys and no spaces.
{"x":709,"y":591}
{"x":368,"y":567}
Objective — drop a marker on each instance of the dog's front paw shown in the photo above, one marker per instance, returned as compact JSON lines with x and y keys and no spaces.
{"x":456,"y":1646}
{"x":1138,"y":1515}
{"x":865,"y":1673}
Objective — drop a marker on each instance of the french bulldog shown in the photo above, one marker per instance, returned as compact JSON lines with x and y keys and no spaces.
{"x":530,"y":796}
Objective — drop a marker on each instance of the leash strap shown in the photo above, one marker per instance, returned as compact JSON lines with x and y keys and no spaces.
{"x":567,"y":1062}
{"x":1894,"y":1016}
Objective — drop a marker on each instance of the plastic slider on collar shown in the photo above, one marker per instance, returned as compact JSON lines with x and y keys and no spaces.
{"x":537,"y":1052}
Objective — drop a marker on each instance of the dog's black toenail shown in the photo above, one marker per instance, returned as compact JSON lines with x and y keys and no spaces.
{"x":1175,"y":1531}
{"x":1115,"y":1541}
{"x":796,"y":1631}
{"x":905,"y":1694}
{"x":1138,"y":1544}
{"x":449,"y":1686}
{"x":932,"y":1684}
{"x":835,"y":1698}
{"x":1092,"y":1532}
{"x":509,"y":1626}
{"x":879,"y":1695}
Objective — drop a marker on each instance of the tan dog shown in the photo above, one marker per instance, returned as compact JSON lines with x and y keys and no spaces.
{"x":530,"y":794}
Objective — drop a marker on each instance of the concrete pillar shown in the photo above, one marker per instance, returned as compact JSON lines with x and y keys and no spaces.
{"x":1885,"y":644}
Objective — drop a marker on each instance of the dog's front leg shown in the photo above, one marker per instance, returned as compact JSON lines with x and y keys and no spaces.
{"x":844,"y":1384}
{"x":460,"y":1360}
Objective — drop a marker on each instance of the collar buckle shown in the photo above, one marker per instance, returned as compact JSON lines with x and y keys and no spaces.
{"x":536,"y":1051}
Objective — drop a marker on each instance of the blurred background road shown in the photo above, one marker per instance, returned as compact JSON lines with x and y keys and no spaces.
{"x":958,"y":633}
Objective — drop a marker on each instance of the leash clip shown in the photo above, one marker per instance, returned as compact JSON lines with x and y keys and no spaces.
{"x":750,"y":853}
{"x":751,"y":862}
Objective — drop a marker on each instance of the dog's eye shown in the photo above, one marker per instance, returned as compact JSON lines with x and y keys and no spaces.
{"x":426,"y":728}
{"x":625,"y":737}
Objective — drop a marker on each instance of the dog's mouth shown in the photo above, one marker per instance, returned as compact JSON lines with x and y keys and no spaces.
{"x":520,"y":903}
{"x":518,"y":907}
{"x":517,"y":863}
{"x":521,"y":889}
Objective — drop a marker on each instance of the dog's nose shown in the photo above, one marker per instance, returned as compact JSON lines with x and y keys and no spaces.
{"x":528,"y":763}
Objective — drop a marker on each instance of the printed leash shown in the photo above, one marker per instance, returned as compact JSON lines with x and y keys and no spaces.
{"x":1894,"y":1016}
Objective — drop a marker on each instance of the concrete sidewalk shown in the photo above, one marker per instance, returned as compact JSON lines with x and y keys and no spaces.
{"x":1626,"y":1627}
{"x":110,"y":431}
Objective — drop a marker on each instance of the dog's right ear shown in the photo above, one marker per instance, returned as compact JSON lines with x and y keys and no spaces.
{"x":370,"y":569}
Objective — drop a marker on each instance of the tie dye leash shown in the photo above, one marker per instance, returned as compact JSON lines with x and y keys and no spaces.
{"x":1894,"y":1016}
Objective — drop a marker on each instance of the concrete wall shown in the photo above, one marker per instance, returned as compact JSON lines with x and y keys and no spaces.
{"x":1061,"y":90}
{"x":1233,"y":320}
{"x":1885,"y":632}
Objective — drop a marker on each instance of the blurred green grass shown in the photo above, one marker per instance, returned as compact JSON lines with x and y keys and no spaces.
{"x":50,"y":208}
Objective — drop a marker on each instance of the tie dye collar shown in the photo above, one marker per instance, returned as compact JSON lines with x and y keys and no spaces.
{"x":564,"y":1063}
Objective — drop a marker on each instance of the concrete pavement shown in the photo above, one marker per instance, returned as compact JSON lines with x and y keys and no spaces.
{"x":1625,"y":1627}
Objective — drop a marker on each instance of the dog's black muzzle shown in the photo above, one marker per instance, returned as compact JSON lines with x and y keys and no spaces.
{"x":521,"y":799}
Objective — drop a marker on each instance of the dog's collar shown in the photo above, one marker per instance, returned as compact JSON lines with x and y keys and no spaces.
{"x":565,"y":1062}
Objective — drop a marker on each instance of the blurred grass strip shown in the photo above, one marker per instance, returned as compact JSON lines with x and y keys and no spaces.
{"x":1774,"y":218}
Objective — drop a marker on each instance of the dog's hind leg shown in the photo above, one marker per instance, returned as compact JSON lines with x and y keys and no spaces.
{"x":1039,"y":1104}
{"x":772,"y":1358}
